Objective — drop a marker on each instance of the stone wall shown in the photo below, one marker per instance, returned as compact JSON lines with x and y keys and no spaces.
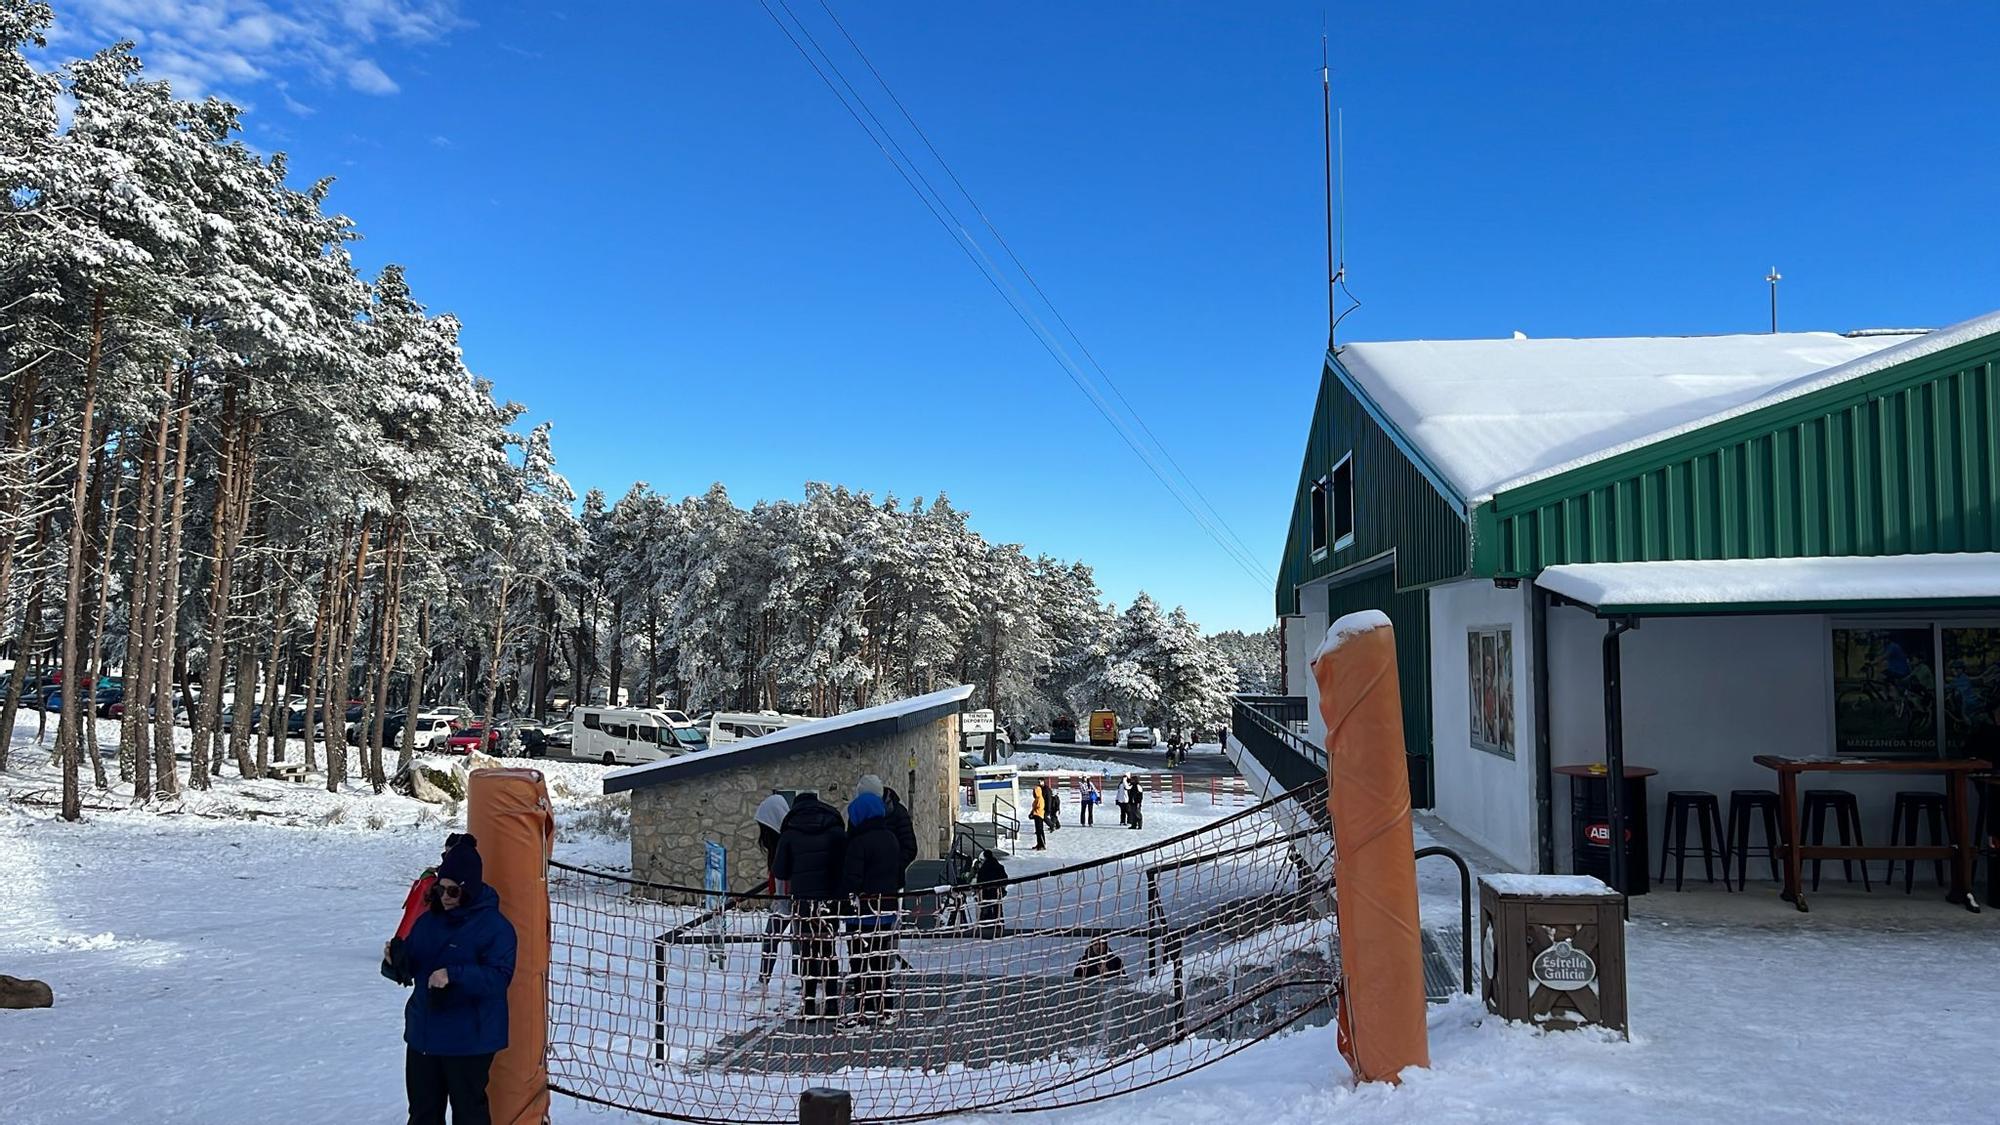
{"x":671,"y":820}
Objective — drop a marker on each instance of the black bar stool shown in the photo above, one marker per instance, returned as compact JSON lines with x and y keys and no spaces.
{"x":1744,"y":805}
{"x":1846,"y":814}
{"x":1708,"y":812}
{"x":1911,"y":804}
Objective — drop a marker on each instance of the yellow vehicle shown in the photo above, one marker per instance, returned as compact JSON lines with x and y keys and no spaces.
{"x":1104,"y":728}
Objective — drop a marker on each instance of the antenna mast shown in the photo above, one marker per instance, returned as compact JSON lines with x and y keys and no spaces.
{"x":1326,"y":142}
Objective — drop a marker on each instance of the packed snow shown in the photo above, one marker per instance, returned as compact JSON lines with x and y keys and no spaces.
{"x":1721,"y":581}
{"x":1349,"y":627}
{"x":215,"y":966}
{"x":1494,"y":414}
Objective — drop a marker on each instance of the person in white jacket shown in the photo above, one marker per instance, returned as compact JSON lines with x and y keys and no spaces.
{"x":771,"y":818}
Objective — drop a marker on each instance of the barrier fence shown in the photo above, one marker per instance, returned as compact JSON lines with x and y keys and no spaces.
{"x":1053,"y":989}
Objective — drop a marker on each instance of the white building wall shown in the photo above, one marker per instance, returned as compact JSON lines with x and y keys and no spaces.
{"x":1303,"y":635}
{"x":1488,"y":797}
{"x":1702,"y":697}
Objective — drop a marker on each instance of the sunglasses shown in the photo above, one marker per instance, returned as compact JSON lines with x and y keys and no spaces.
{"x":452,"y":889}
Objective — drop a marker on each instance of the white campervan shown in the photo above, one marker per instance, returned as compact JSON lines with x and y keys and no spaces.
{"x":723,"y":727}
{"x":615,"y":735}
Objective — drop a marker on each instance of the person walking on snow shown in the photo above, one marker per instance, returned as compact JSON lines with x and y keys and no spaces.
{"x":1133,"y":799}
{"x":459,"y":960}
{"x":1035,"y":813}
{"x":1052,"y":803}
{"x":771,"y":821}
{"x":811,"y":846}
{"x":1091,"y":797}
{"x":872,"y":871}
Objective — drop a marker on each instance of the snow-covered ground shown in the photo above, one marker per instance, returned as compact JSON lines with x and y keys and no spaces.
{"x":211,"y":965}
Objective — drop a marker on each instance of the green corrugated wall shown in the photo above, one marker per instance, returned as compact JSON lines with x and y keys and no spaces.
{"x":1903,"y":461}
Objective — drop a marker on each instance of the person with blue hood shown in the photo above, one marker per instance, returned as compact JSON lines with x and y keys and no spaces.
{"x":770,"y":822}
{"x":873,"y":873}
{"x":459,"y":958}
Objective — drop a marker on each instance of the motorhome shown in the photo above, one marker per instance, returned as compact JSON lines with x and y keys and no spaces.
{"x":619,"y":735}
{"x":724,"y":727}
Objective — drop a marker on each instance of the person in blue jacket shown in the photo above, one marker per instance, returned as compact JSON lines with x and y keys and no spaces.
{"x":460,"y":958}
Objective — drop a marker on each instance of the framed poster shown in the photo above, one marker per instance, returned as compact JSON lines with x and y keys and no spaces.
{"x":1971,"y":688}
{"x":1885,"y":690}
{"x":1489,"y":655}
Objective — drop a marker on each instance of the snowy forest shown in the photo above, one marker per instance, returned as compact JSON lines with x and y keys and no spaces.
{"x":234,"y":468}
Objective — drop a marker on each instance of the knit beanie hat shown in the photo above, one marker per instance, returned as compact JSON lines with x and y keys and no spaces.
{"x":869,"y":783}
{"x":463,"y":866}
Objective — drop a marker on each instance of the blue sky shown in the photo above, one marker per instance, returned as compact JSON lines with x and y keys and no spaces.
{"x":664,"y":233}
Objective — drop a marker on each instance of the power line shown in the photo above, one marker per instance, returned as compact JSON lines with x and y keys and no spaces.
{"x":941,"y":211}
{"x":1037,"y":287}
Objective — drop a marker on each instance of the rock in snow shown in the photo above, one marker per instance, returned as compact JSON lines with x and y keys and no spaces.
{"x":18,"y":993}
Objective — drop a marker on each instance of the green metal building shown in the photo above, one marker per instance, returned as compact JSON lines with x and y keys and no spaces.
{"x":1442,"y":479}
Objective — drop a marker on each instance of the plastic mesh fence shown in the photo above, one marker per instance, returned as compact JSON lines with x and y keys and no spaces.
{"x":1043,"y":991}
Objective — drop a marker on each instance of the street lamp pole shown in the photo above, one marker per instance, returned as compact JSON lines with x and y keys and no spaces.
{"x":1774,"y":277}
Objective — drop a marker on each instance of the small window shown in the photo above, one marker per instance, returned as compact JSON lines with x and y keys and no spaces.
{"x":1319,"y":494}
{"x":1341,"y":500}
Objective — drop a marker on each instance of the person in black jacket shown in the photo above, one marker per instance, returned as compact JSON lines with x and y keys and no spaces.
{"x":874,"y":875}
{"x":811,"y":848}
{"x":897,"y":815}
{"x":1133,"y":799}
{"x":991,"y":874}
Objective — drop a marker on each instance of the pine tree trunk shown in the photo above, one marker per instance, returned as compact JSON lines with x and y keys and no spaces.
{"x":166,"y":773}
{"x":385,"y":663}
{"x":417,"y":674}
{"x":96,"y":658}
{"x":134,"y":735}
{"x":322,"y":625}
{"x":618,"y":649}
{"x":274,"y":672}
{"x":340,"y":675}
{"x":20,"y":432}
{"x":499,"y":638}
{"x":69,"y":731}
{"x":24,"y":644}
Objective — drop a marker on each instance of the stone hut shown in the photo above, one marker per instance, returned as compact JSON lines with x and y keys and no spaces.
{"x":680,"y":803}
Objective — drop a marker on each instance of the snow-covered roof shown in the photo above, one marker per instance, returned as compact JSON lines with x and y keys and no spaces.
{"x":834,"y":730}
{"x":1739,"y":585}
{"x":1489,"y":415}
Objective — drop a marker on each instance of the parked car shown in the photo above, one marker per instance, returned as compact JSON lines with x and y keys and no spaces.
{"x":1140,"y":738}
{"x":538,"y":742}
{"x":459,"y":716}
{"x":514,"y":732}
{"x":466,"y":739}
{"x":431,"y":733}
{"x":1063,"y":730}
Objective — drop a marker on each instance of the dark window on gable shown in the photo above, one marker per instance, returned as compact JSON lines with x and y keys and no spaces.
{"x":1319,"y":494}
{"x":1341,"y":500}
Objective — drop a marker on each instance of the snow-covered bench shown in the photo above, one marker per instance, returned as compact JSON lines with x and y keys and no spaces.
{"x":286,"y":771}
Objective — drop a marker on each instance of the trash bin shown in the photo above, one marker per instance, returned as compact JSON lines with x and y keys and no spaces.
{"x":1553,"y":950}
{"x":1590,"y":825}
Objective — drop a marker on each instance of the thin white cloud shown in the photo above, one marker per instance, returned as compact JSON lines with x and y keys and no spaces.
{"x":213,"y":46}
{"x":365,"y":76}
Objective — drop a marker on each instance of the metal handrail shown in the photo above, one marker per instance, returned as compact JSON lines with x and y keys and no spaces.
{"x":1268,"y":725}
{"x":1464,"y":910}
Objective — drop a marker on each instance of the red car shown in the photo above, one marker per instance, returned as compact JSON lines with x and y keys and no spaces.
{"x":466,"y":739}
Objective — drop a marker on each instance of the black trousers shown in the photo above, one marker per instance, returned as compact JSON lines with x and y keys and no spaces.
{"x":432,"y":1080}
{"x":872,"y":954}
{"x":814,"y":942}
{"x":1041,"y":838}
{"x":1085,"y":814}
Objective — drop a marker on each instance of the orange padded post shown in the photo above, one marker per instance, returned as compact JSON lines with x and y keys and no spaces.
{"x":1382,"y":1007}
{"x":508,"y":810}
